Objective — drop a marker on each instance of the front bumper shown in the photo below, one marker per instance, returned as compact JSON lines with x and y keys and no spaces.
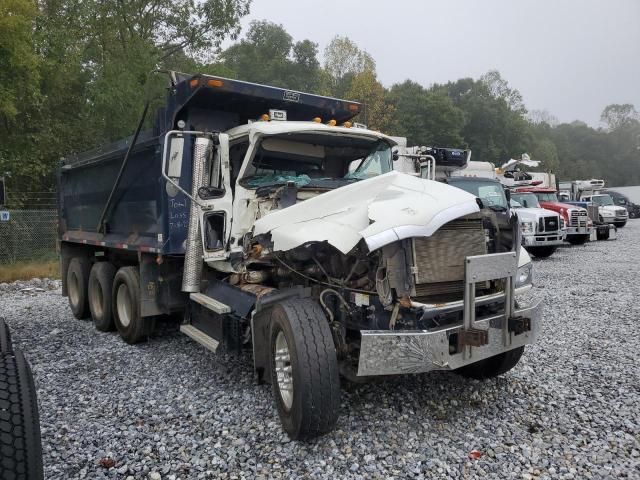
{"x":384,"y":352}
{"x":578,"y":230}
{"x":543,"y":240}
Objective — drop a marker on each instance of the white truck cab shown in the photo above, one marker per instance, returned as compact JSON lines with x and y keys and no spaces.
{"x":608,"y":211}
{"x":543,"y":230}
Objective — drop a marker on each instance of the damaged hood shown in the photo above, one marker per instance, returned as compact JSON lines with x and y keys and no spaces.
{"x":380,"y":210}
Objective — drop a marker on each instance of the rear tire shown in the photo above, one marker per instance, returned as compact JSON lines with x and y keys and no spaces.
{"x":541,"y":252}
{"x":100,"y":285}
{"x":5,"y":337}
{"x":304,"y":369}
{"x":492,"y":366}
{"x":77,"y":286}
{"x":577,"y":239}
{"x":126,"y":306}
{"x":20,"y":443}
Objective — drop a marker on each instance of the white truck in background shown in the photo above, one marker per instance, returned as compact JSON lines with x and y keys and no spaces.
{"x":591,"y":192}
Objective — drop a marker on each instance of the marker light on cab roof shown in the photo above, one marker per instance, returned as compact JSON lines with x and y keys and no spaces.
{"x":317,"y":120}
{"x":215,"y":82}
{"x":331,"y":123}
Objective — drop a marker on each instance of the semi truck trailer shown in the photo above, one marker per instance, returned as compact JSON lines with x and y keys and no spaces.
{"x":266,"y":222}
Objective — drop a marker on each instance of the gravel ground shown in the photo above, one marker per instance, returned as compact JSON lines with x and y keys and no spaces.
{"x":169,"y":409}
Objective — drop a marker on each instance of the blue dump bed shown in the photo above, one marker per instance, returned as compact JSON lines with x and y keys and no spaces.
{"x":142,"y":216}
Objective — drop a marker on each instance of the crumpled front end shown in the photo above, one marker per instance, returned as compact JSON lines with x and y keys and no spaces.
{"x":411,"y":273}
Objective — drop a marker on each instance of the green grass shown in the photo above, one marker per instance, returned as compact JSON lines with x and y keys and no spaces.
{"x":28,"y":270}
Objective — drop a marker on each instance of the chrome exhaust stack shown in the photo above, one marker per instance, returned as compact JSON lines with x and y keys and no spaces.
{"x":193,"y":251}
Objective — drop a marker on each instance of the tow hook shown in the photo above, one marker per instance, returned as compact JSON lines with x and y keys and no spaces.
{"x":472,"y":337}
{"x":519,"y":325}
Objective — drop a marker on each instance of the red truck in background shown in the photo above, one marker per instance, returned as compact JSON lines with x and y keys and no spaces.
{"x":576,"y":219}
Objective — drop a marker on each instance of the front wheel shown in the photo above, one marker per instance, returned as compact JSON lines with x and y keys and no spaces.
{"x":304,"y":369}
{"x":492,"y":366}
{"x":541,"y":252}
{"x":577,"y":239}
{"x":620,"y":224}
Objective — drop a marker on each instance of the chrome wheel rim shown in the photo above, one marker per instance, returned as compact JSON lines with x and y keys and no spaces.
{"x":73,"y":288}
{"x":96,"y":298}
{"x":283,"y":370}
{"x":123,"y":303}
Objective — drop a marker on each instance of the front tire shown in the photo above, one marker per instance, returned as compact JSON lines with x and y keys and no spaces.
{"x":541,"y":252}
{"x":304,"y":369}
{"x":577,"y":239}
{"x":78,"y":285}
{"x":126,"y":306}
{"x":620,"y":224}
{"x":493,"y":366}
{"x":100,"y":293}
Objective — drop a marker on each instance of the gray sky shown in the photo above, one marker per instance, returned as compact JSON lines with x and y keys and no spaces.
{"x":570,"y":57}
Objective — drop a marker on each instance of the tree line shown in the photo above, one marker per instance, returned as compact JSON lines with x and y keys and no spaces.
{"x":74,"y":74}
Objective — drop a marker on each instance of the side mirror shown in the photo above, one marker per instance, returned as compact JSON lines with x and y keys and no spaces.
{"x":395,"y":156}
{"x":176,"y":150}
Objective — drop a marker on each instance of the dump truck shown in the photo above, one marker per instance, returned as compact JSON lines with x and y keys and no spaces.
{"x":265,"y":221}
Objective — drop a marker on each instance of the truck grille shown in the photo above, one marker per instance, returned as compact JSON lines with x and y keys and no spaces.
{"x":549,"y":224}
{"x":439,"y":259}
{"x":578,"y":218}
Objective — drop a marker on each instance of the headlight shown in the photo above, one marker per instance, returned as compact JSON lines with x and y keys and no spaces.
{"x":527,"y":227}
{"x":525,"y":275}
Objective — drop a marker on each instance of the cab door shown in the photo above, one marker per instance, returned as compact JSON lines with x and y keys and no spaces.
{"x":216,"y":204}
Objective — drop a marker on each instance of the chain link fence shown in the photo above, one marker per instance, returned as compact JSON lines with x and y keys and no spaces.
{"x":28,"y":235}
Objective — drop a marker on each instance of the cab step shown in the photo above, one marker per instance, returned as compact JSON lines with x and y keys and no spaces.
{"x":210,"y":303}
{"x":200,"y":337}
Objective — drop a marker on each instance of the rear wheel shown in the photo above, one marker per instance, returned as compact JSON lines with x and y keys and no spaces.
{"x":20,"y":444}
{"x":304,"y":369}
{"x":126,"y":306}
{"x":541,"y":252}
{"x":577,"y":239}
{"x":492,"y":366}
{"x":100,"y":285}
{"x":77,"y":286}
